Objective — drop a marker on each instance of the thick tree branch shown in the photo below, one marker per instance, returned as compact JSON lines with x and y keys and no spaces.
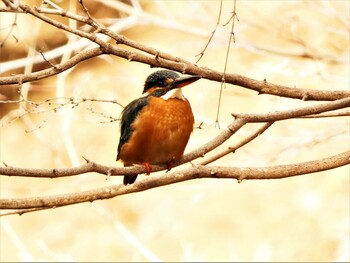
{"x":196,"y":172}
{"x":156,"y":58}
{"x":263,"y":87}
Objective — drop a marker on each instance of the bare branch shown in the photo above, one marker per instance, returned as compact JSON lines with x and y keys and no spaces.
{"x":240,"y":121}
{"x":201,"y":54}
{"x":196,"y":172}
{"x":230,"y":40}
{"x":161,"y":59}
{"x":263,"y":87}
{"x":342,"y":113}
{"x":12,"y":27}
{"x":238,"y":145}
{"x":56,"y":69}
{"x":315,"y":109}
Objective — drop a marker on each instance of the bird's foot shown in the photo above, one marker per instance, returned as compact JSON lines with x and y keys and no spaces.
{"x":147,"y":167}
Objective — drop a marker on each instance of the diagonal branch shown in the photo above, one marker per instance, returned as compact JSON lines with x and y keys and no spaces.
{"x":156,"y":58}
{"x":56,"y":69}
{"x":239,"y":122}
{"x":238,"y":145}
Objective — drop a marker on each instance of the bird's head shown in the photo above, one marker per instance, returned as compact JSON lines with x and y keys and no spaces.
{"x":167,"y":84}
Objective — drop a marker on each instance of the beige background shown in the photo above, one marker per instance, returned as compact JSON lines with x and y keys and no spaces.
{"x":305,"y":218}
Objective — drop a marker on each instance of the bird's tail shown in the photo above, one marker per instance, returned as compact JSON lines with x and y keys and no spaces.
{"x":129,"y":179}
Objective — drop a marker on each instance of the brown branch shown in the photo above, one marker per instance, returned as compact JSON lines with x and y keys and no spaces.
{"x":56,"y":69}
{"x":223,"y":80}
{"x":87,"y":167}
{"x":91,"y":36}
{"x":263,"y":87}
{"x":12,"y":27}
{"x":315,"y":109}
{"x":342,"y":113}
{"x":201,"y":54}
{"x":22,"y":211}
{"x":240,"y":121}
{"x":238,"y":145}
{"x":51,"y":11}
{"x":161,"y":59}
{"x":196,"y":172}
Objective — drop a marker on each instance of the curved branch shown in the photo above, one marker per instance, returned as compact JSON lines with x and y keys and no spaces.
{"x":262,"y":87}
{"x":45,"y":73}
{"x":155,"y":58}
{"x":239,"y":122}
{"x":196,"y":172}
{"x":242,"y":119}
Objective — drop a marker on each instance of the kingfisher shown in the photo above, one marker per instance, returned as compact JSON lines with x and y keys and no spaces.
{"x":155,"y":128}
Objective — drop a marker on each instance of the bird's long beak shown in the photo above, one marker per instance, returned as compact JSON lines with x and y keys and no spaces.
{"x":183,"y":81}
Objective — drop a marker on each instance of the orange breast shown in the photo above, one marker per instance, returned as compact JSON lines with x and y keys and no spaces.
{"x":161,"y":132}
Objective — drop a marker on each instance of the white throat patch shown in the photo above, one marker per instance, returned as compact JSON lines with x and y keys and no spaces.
{"x":172,"y":94}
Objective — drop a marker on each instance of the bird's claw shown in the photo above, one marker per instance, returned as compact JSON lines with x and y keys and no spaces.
{"x":147,"y":167}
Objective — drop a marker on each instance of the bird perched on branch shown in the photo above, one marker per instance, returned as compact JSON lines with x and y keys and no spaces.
{"x":156,"y":127}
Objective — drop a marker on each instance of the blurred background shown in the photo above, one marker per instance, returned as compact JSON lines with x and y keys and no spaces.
{"x":303,"y":44}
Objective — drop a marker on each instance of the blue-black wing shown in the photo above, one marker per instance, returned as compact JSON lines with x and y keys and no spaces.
{"x":129,"y":115}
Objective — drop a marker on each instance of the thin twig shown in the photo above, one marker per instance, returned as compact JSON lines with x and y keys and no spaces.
{"x":12,"y":27}
{"x":201,"y":54}
{"x":223,"y":80}
{"x":238,"y":145}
